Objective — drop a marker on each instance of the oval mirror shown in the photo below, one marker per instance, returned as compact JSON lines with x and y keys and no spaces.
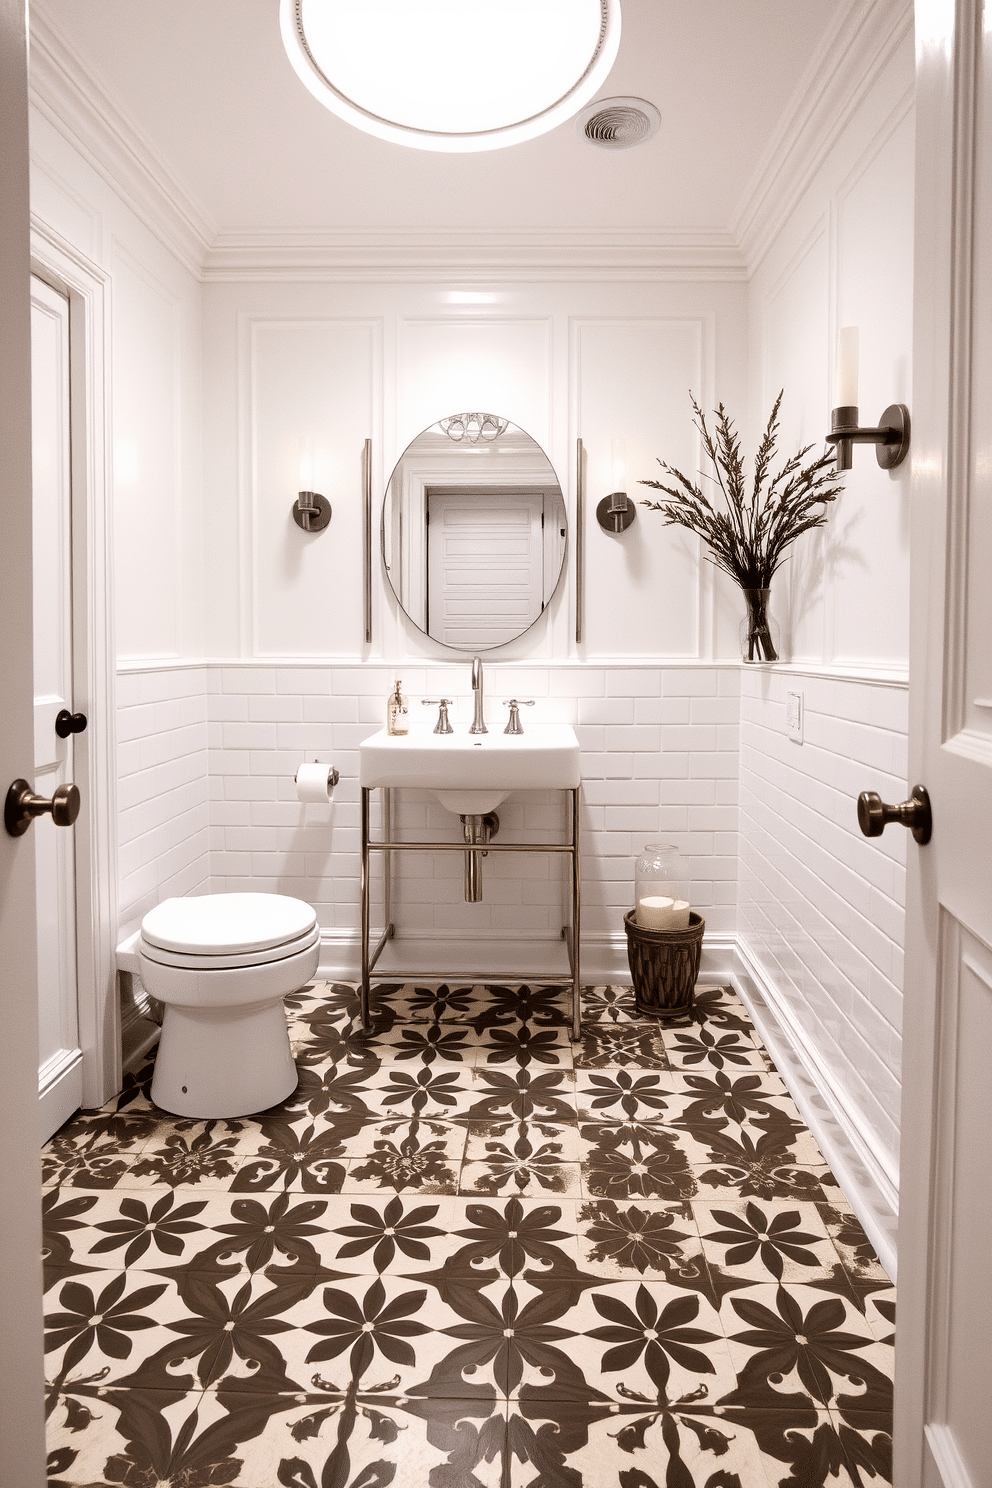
{"x":473,"y":531}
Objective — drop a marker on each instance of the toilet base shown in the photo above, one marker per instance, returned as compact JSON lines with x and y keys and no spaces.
{"x":223,"y":1062}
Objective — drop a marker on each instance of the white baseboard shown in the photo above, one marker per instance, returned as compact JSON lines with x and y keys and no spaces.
{"x":60,"y":1090}
{"x":437,"y":956}
{"x":840,"y":1130}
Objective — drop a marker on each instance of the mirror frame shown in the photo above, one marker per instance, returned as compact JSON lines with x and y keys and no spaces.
{"x":491,"y":484}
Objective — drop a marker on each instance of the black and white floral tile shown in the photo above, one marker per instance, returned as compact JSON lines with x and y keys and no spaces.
{"x":468,"y":1254}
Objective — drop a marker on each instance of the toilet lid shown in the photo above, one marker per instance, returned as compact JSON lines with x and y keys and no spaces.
{"x":227,"y":924}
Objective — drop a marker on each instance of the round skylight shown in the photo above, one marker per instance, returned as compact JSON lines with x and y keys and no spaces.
{"x":452,"y":74}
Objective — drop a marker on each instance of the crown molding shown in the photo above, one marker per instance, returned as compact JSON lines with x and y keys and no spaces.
{"x":864,"y":33}
{"x":474,"y":256}
{"x":853,"y":52}
{"x":76,"y":105}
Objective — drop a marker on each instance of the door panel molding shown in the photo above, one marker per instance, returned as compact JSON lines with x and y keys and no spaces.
{"x":88,"y":290}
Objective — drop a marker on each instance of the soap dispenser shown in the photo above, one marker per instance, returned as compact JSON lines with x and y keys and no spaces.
{"x":397,"y":713}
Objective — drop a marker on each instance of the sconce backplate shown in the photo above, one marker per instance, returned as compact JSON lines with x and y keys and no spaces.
{"x":893,"y":452}
{"x":615,"y":521}
{"x":307,"y":518}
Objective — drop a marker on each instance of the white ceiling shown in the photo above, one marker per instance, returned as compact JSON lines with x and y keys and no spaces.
{"x":208,"y":86}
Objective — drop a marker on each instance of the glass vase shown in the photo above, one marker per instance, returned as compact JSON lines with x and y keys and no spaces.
{"x":759,"y":633}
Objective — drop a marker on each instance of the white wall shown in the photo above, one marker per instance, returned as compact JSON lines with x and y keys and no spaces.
{"x":153,"y":344}
{"x":346,"y":361}
{"x":821,"y":909}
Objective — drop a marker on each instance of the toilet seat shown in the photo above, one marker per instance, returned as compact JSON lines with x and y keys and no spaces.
{"x":221,"y":962}
{"x":238,"y":926}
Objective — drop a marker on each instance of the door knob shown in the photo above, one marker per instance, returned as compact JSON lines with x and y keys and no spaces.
{"x":874,"y":815}
{"x":22,"y":806}
{"x":67,"y":723}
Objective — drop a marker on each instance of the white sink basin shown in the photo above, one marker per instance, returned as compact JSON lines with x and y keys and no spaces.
{"x":471,"y":773}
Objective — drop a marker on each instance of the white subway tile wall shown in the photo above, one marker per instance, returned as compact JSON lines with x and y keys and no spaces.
{"x":821,"y":908}
{"x":163,"y":801}
{"x":659,"y":758}
{"x":642,"y":733}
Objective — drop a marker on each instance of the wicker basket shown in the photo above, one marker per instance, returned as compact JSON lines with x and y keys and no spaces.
{"x":664,"y":965}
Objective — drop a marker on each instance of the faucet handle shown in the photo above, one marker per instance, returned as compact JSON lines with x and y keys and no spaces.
{"x":515,"y":704}
{"x":442,"y":726}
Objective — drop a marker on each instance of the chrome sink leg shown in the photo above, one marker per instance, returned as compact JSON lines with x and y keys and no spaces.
{"x":365,"y":909}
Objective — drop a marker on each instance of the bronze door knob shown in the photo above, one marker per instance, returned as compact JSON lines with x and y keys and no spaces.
{"x":22,"y":806}
{"x":874,"y":815}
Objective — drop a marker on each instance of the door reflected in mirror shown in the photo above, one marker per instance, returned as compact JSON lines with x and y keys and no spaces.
{"x":473,"y":531}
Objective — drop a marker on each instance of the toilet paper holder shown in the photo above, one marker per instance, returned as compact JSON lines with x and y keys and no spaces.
{"x":315,"y":781}
{"x":333,"y":774}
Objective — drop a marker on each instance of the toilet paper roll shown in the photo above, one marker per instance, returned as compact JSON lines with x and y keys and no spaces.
{"x":315,"y":782}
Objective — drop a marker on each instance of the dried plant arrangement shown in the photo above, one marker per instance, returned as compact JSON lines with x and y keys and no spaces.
{"x":748,"y":539}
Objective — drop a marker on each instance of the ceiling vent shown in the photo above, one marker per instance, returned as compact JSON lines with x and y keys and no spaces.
{"x":618,"y":123}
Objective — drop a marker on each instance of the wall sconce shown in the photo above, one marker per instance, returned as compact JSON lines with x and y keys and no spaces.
{"x":616,"y":512}
{"x":890,"y":438}
{"x":311,"y":511}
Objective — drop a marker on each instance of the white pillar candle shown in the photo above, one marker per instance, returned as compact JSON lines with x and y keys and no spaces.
{"x":655,"y":912}
{"x":846,"y":368}
{"x":680,"y":915}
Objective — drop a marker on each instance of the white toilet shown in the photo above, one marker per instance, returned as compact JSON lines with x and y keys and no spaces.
{"x":222,"y":964}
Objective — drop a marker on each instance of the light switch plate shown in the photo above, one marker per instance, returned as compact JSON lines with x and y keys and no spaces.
{"x":794,"y":716}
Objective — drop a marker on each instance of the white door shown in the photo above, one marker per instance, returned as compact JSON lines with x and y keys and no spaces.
{"x":485,"y":565}
{"x":60,"y":1073}
{"x":22,"y":1440}
{"x":944,"y":1325}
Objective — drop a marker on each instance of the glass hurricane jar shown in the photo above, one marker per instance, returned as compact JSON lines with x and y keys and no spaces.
{"x":661,"y":873}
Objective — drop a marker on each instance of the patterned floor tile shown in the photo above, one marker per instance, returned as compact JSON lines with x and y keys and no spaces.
{"x":622,"y":1045}
{"x":465,"y":1253}
{"x":761,"y":1171}
{"x":609,"y":1005}
{"x":706,"y":1047}
{"x":637,"y":1340}
{"x":796,"y":1341}
{"x":628,"y":1162}
{"x":853,"y":1245}
{"x":610,"y":1447}
{"x":521,"y":1157}
{"x":654,"y":1240}
{"x":764,"y":1242}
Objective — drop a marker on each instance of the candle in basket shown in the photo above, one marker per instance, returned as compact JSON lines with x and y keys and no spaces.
{"x":654,"y":912}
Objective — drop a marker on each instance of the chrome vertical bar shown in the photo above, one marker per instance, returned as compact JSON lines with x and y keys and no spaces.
{"x":576,"y":917}
{"x":368,"y":541}
{"x":580,"y":535}
{"x":473,"y":882}
{"x":387,"y":860}
{"x":365,"y":908}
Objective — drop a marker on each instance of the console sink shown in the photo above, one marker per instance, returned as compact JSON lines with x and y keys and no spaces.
{"x":472,"y":773}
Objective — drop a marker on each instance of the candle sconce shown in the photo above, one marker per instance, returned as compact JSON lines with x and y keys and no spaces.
{"x":616,"y":512}
{"x":311,"y":511}
{"x":890,"y":438}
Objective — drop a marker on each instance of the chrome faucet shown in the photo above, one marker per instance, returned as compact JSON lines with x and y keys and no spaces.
{"x":478,"y":722}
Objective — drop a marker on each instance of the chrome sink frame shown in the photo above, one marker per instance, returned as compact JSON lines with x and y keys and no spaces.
{"x":570,"y":932}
